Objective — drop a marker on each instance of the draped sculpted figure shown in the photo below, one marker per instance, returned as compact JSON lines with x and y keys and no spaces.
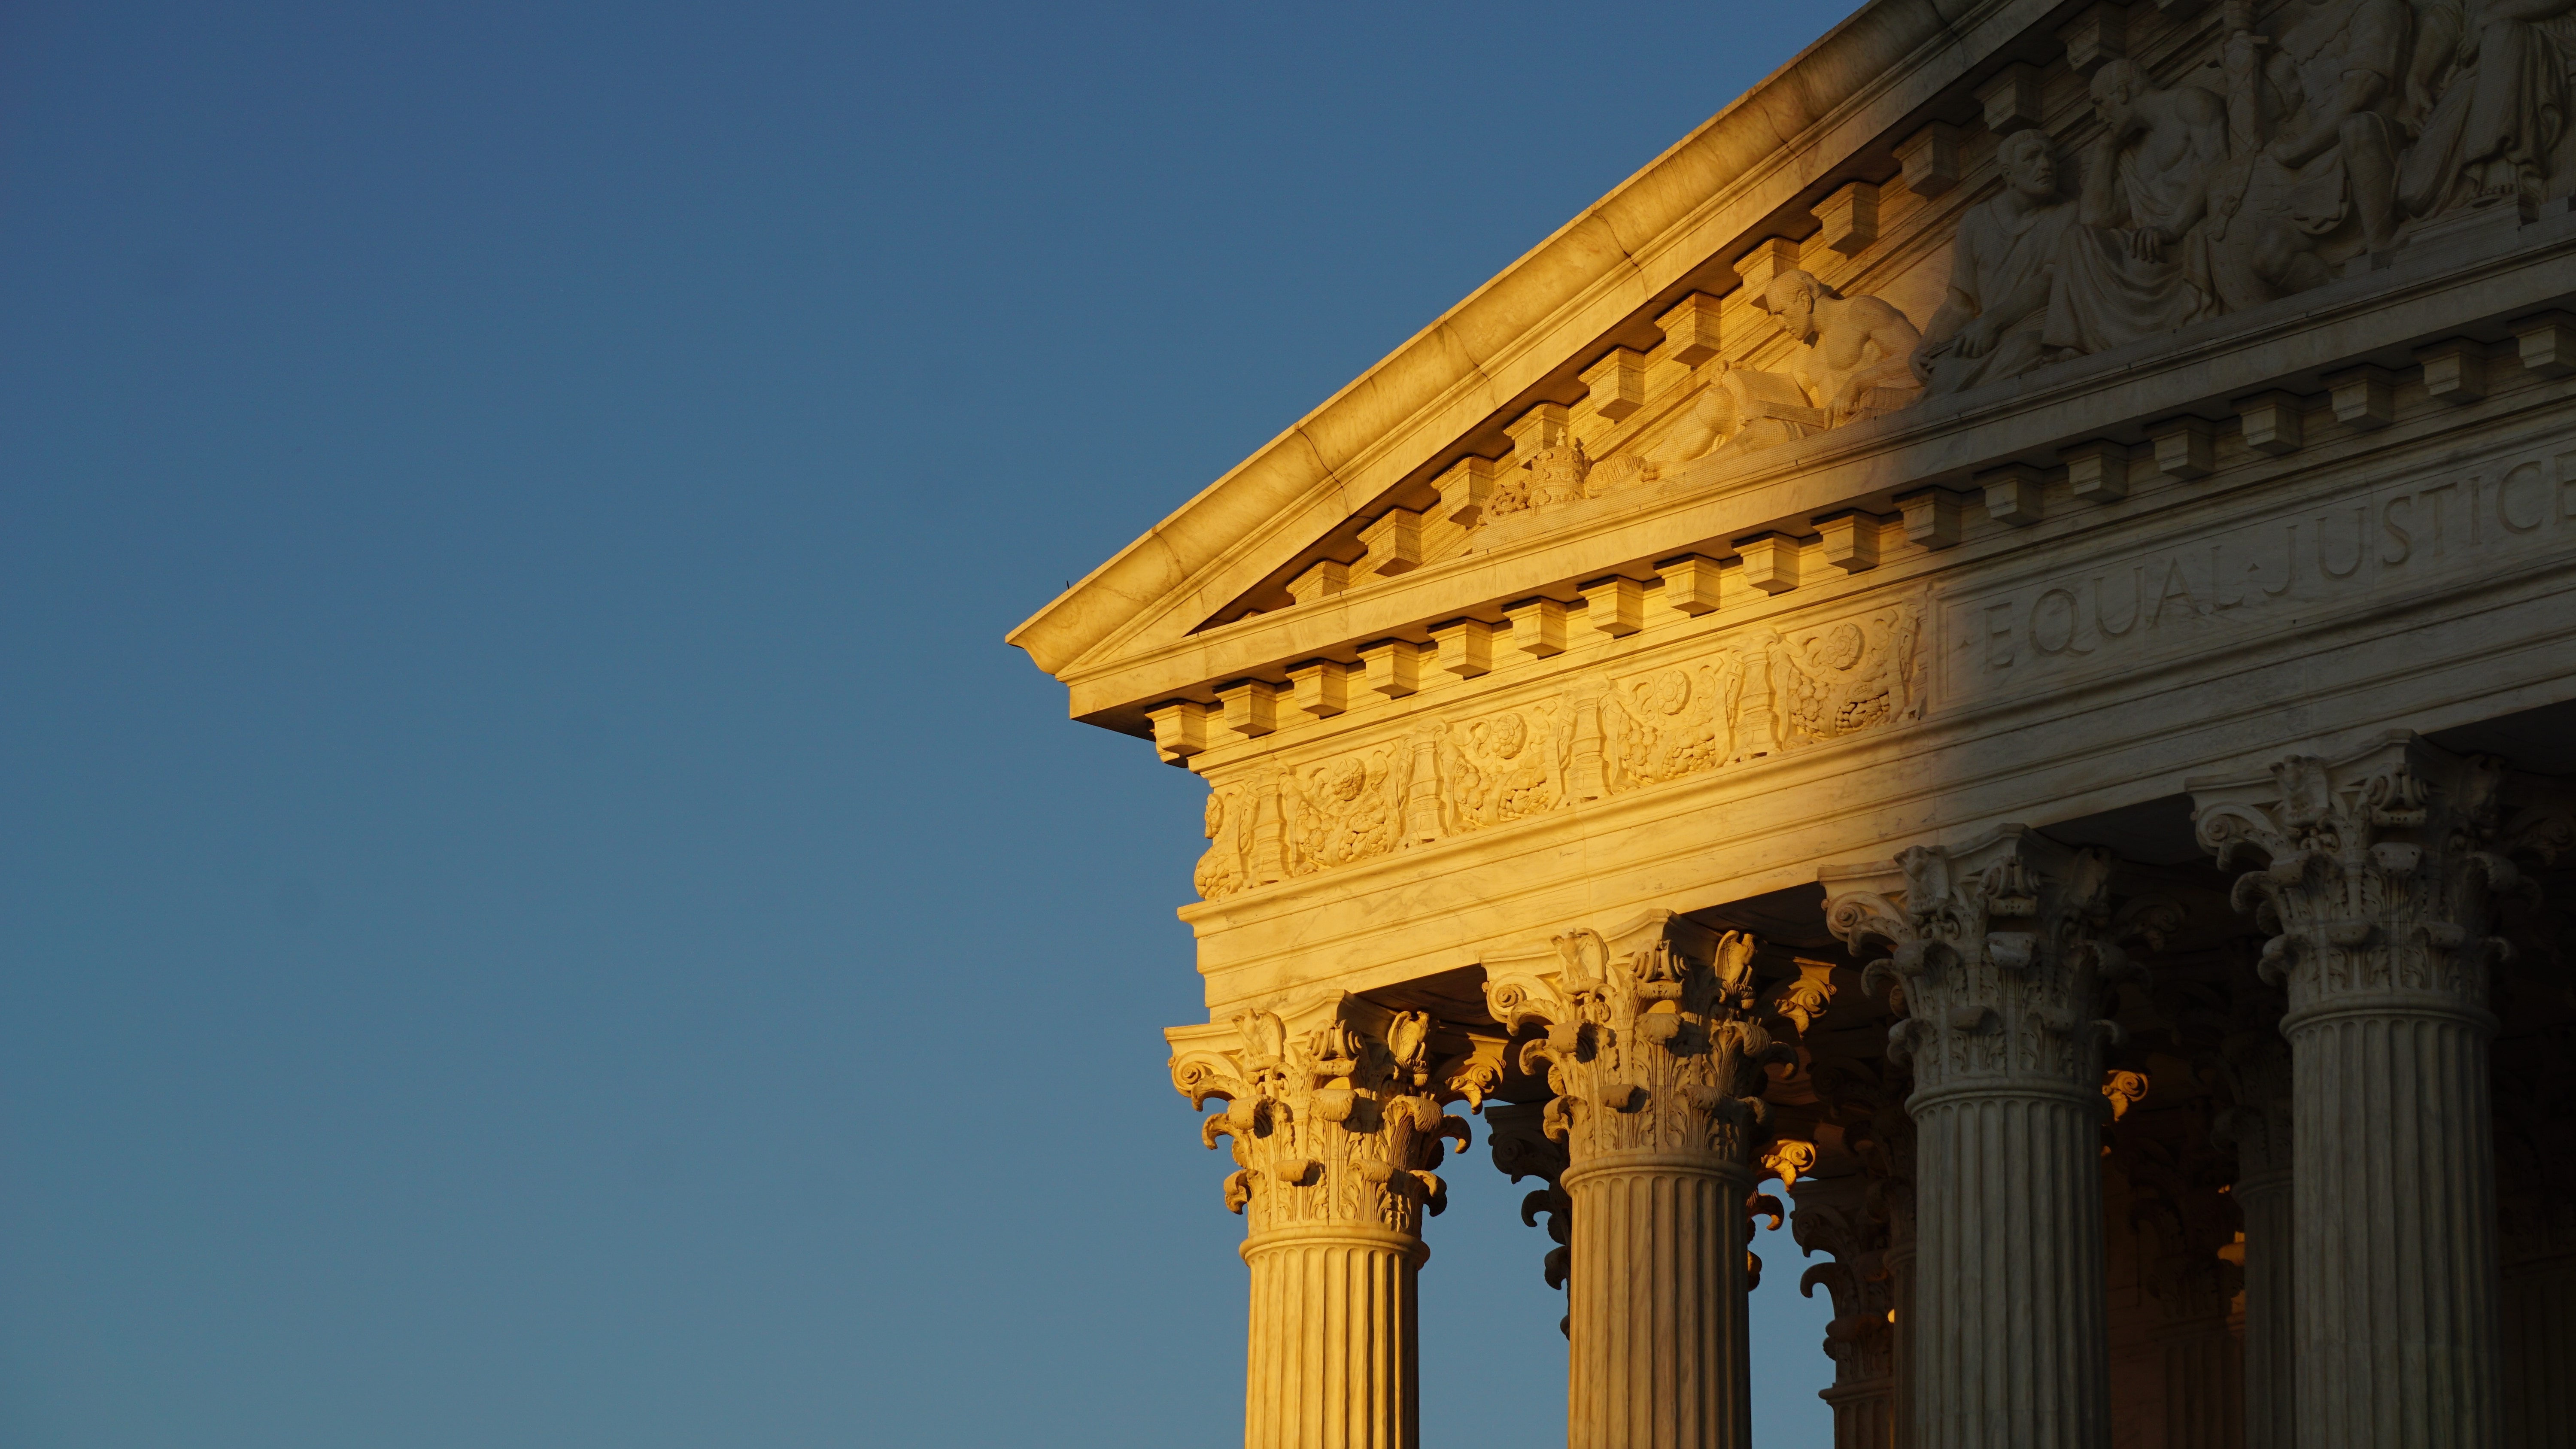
{"x":2313,"y":139}
{"x":2139,"y":263}
{"x":2488,"y":92}
{"x":1990,"y":326}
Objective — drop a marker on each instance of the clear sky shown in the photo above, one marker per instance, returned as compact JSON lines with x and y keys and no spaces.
{"x":536,"y":908}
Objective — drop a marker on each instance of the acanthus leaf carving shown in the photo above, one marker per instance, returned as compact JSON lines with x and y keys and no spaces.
{"x":1333,"y":1111}
{"x":2004,"y":951}
{"x":2378,"y":871}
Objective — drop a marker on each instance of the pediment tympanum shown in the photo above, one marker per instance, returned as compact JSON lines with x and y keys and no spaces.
{"x":2170,"y":177}
{"x":2060,"y":347}
{"x":2222,"y":169}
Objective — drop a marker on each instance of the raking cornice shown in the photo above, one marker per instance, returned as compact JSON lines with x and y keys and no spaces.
{"x":1815,"y":115}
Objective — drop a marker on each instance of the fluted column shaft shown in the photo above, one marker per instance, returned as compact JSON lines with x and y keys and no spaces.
{"x":2011,"y":1342}
{"x":2002,"y":952}
{"x":2204,"y":1385}
{"x":1656,"y":1073}
{"x":2376,"y":883}
{"x":1907,"y":1324}
{"x":1332,"y":1340}
{"x":2271,"y":1359}
{"x":2394,"y":1245}
{"x":1656,"y":1303}
{"x":1334,"y":1113}
{"x":2540,"y":1353}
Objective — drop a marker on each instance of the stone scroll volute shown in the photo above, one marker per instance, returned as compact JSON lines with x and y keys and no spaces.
{"x":1645,"y":1037}
{"x":1334,"y":1110}
{"x":2378,"y":873}
{"x":2001,"y":954}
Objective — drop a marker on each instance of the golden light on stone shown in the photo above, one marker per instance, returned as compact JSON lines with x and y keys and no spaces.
{"x":1905,"y":676}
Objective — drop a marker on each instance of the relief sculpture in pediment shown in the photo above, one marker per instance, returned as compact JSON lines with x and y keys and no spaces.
{"x":1993,"y":322}
{"x":2487,"y":104}
{"x":1852,"y":362}
{"x":2139,"y":262}
{"x":2294,"y":149}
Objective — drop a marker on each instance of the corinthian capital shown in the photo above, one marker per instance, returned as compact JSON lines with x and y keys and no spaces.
{"x":2377,"y":872}
{"x":2001,"y":953}
{"x":1645,"y":1036}
{"x":1333,"y":1108}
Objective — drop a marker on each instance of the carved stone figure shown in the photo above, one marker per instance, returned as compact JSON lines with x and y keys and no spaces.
{"x":1676,"y":722}
{"x":1346,"y":810}
{"x":2139,"y":263}
{"x":1220,"y":872}
{"x":1991,"y":325}
{"x":2501,"y":109}
{"x":1852,"y":363}
{"x":2325,"y":177}
{"x":1857,"y":348}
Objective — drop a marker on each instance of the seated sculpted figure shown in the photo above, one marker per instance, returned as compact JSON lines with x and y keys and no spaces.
{"x":2326,"y":180}
{"x":1851,"y":363}
{"x":2139,"y":263}
{"x":2501,"y":77}
{"x":1990,"y":326}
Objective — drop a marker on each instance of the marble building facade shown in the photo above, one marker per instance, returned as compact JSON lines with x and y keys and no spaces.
{"x":1982,"y":657}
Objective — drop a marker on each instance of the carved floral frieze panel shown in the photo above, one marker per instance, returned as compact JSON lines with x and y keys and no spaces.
{"x":1600,"y":735}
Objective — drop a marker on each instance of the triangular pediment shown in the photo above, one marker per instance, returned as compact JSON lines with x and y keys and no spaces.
{"x":1928,"y":252}
{"x":1516,"y":342}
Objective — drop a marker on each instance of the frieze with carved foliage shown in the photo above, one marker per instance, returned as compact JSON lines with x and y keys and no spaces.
{"x":1764,"y":695}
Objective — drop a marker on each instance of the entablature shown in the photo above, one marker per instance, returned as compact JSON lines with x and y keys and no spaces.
{"x":2151,"y":409}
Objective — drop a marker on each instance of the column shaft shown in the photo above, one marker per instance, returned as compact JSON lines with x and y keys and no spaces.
{"x":1655,"y":1067}
{"x":1333,"y":1109}
{"x":1656,"y":1306}
{"x":1330,"y":1362}
{"x":2378,"y":878}
{"x":2394,"y":1166}
{"x":2271,"y":1375}
{"x":2012,"y":1332}
{"x":2004,"y":950}
{"x":2204,"y":1386}
{"x":1900,"y":1292}
{"x":2540,"y":1354}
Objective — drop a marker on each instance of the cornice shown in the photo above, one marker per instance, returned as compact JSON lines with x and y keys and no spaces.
{"x":1814,"y":116}
{"x":2427,"y":293}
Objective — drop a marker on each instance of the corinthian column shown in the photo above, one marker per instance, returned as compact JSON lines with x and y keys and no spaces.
{"x":1656,"y":1075}
{"x":2375,"y":889}
{"x":1871,"y":1279}
{"x":1334,"y":1114}
{"x":2254,"y":1074}
{"x":2002,"y":950}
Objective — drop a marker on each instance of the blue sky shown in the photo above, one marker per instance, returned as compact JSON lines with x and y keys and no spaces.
{"x":536,"y":907}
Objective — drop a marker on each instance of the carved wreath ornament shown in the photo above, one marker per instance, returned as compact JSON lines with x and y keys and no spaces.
{"x":1340,"y":1123}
